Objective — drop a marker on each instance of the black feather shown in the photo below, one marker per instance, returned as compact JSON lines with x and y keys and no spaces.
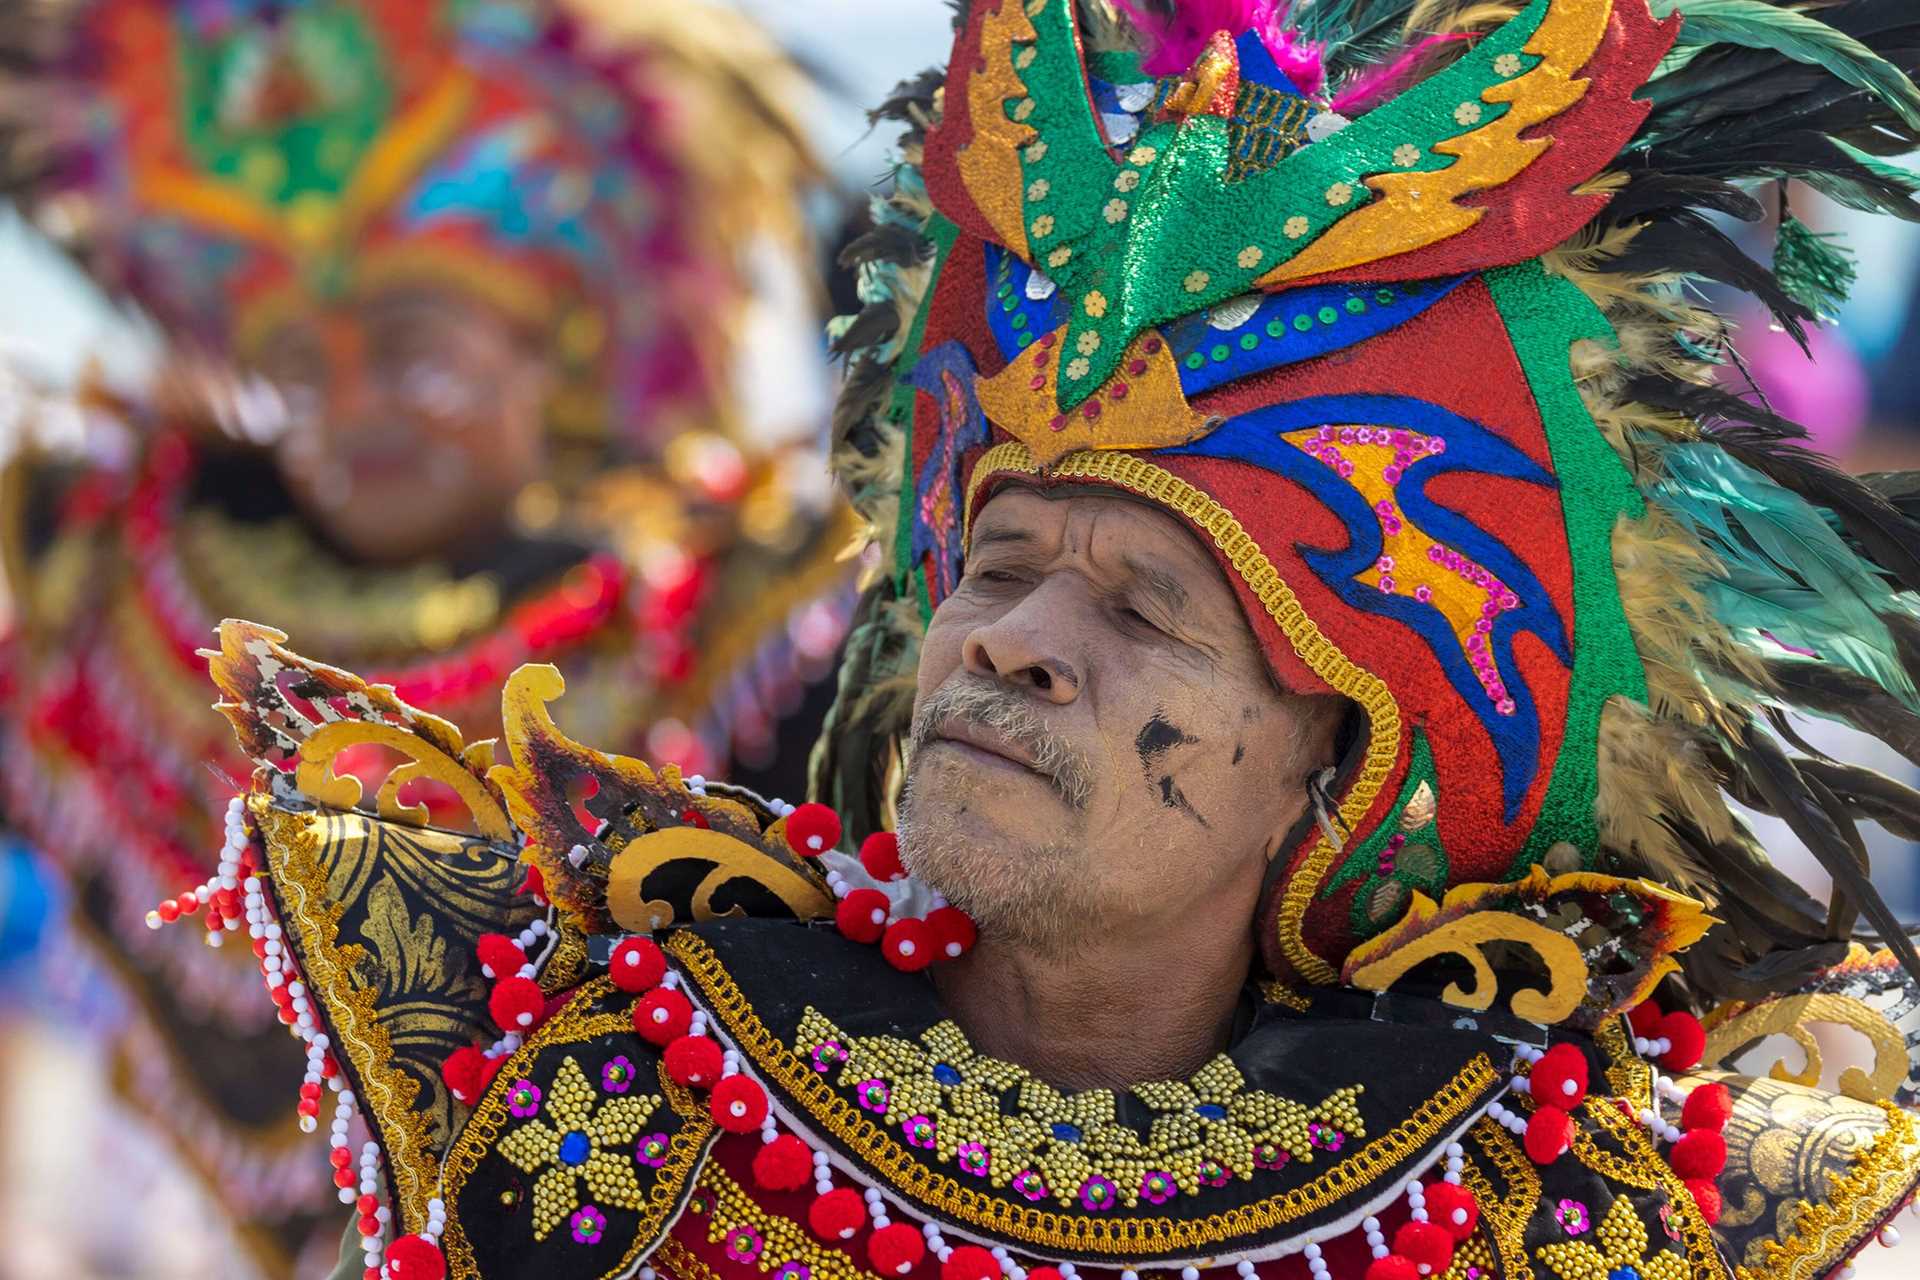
{"x":1682,"y":240}
{"x":1814,"y":815}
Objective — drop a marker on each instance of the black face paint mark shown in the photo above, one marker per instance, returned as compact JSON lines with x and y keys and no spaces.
{"x":1157,"y":737}
{"x":1239,"y":752}
{"x":1172,"y":797}
{"x":1247,"y":714}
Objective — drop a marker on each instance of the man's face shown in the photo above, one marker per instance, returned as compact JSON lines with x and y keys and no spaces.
{"x":1097,"y":743}
{"x":416,"y":416}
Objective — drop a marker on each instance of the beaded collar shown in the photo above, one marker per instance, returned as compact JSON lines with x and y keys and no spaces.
{"x":1258,"y":1146}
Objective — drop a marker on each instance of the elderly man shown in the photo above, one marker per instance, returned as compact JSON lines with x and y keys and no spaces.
{"x":1333,"y":635}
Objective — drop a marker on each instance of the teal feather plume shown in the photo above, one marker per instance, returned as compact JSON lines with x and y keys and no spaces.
{"x":1756,"y":24}
{"x":1788,"y":575}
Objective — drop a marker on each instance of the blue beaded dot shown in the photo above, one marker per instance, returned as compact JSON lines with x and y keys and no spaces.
{"x":1210,"y":1111}
{"x":1067,"y":1132}
{"x":947,"y":1074}
{"x":575,"y":1148}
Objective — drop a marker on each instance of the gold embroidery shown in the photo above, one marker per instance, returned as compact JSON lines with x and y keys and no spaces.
{"x":782,"y":1239}
{"x":1628,"y":1074}
{"x":1320,"y":654}
{"x":1505,"y":1216}
{"x":1643,"y":1167}
{"x":904,"y":1173}
{"x":586,"y":1140}
{"x":300,"y":882}
{"x":1880,"y":1179}
{"x":944,"y":1096}
{"x":574,"y":1023}
{"x":1140,"y":407}
{"x":1623,"y":1237}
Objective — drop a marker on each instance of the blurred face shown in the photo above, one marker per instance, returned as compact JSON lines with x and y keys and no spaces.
{"x":1097,"y":744}
{"x":415,"y":417}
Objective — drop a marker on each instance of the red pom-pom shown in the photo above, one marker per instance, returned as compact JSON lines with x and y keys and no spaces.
{"x":1549,"y":1134}
{"x":535,"y":885}
{"x":462,"y":1071}
{"x":1425,"y":1244}
{"x":411,"y":1258}
{"x":1392,"y":1267}
{"x":1452,"y":1207}
{"x":812,"y":829}
{"x":662,"y":1016}
{"x":908,"y":945}
{"x":1708,"y":1107}
{"x":953,"y":931}
{"x":970,"y":1262}
{"x":738,"y":1104}
{"x":516,"y":1003}
{"x":1644,"y":1018}
{"x":785,"y":1164}
{"x":636,"y":965}
{"x":1559,"y":1079}
{"x":1706,"y":1197}
{"x":694,"y":1061}
{"x":837,"y":1215}
{"x":1701,"y":1154}
{"x":896,"y":1249}
{"x":1045,"y":1273}
{"x":500,"y":956}
{"x":1687,"y":1038}
{"x":489,"y":1068}
{"x":862,"y":915}
{"x":880,"y":855}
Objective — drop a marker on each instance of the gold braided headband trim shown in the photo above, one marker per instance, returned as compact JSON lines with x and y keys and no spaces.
{"x":576,"y":1022}
{"x":1881,"y":1178}
{"x":1322,"y":656}
{"x":905,"y":1174}
{"x":300,"y":882}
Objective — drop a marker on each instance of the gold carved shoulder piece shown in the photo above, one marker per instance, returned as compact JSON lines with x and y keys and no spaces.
{"x":1604,"y":942}
{"x":294,"y":714}
{"x":649,"y":850}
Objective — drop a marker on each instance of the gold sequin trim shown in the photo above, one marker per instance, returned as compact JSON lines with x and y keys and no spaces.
{"x":904,"y":1173}
{"x":782,"y":1239}
{"x":300,"y":883}
{"x":574,"y":1023}
{"x":1881,"y":1178}
{"x":1321,"y":655}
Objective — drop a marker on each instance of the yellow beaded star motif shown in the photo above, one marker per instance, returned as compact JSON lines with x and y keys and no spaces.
{"x":577,"y":1135}
{"x":1622,"y":1255}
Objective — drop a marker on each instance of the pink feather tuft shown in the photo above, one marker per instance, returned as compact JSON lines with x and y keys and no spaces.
{"x":1177,"y":39}
{"x":1382,"y":82}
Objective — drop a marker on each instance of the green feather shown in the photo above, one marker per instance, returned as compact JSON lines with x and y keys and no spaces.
{"x":1788,"y":575}
{"x":1754,"y":24}
{"x":1814,"y":268}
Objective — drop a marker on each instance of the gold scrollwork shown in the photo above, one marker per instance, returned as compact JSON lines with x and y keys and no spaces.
{"x":1794,"y":1017}
{"x":1467,"y":937}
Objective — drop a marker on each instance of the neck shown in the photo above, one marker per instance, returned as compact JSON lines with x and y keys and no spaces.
{"x":1110,"y":1014}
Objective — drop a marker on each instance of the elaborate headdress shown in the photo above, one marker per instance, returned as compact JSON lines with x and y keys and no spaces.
{"x":223,"y":164}
{"x":1389,"y":301}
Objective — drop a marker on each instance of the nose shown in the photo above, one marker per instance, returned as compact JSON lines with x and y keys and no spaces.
{"x":1024,"y":648}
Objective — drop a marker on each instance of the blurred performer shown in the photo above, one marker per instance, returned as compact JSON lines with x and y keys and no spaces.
{"x":487,"y":341}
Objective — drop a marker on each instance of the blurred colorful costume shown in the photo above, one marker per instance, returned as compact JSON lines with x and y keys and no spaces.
{"x":623,"y":181}
{"x":1384,"y":300}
